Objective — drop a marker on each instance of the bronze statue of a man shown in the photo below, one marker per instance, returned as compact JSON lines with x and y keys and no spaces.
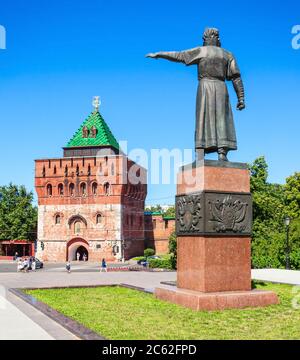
{"x":215,"y":130}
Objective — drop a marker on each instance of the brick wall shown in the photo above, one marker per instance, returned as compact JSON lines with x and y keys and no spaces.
{"x":93,"y":199}
{"x":157,"y":232}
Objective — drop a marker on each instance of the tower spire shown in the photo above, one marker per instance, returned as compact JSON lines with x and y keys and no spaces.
{"x":96,"y":103}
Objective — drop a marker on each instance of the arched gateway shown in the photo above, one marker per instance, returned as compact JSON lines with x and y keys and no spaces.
{"x":77,"y":245}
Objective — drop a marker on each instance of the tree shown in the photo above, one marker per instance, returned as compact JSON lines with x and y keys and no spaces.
{"x":170,"y":212}
{"x":173,"y":249}
{"x":268,"y":213}
{"x":18,"y":217}
{"x":292,"y":192}
{"x":156,"y":208}
{"x":259,"y":174}
{"x":295,"y":244}
{"x":271,"y":204}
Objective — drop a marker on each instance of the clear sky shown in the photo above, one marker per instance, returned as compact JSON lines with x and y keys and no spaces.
{"x":61,"y":53}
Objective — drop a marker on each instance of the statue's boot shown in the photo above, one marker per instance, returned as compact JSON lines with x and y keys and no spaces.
{"x":223,"y":154}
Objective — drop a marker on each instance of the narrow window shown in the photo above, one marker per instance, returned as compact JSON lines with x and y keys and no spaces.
{"x":106,"y":188}
{"x":166,"y":224}
{"x":85,"y":132}
{"x":44,"y":171}
{"x":77,"y":170}
{"x":57,"y":219}
{"x":77,"y":227}
{"x":94,"y":188}
{"x":93,"y":132}
{"x":54,"y":170}
{"x":66,"y":170}
{"x":83,"y":189}
{"x":49,"y":190}
{"x":72,"y":189}
{"x":89,"y":170}
{"x":98,"y":218}
{"x":60,"y":189}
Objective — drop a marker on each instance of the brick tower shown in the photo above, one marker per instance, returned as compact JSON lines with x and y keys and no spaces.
{"x":90,"y":201}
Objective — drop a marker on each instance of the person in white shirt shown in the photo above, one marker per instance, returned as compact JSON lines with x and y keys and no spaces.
{"x":33,"y":265}
{"x":20,"y":265}
{"x":25,"y":265}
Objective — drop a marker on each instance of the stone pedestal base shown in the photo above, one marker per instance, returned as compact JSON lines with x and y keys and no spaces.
{"x":213,"y":227}
{"x":212,"y":264}
{"x":217,"y":301}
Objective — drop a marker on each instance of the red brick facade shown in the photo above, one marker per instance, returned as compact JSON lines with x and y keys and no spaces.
{"x":157,"y":232}
{"x":90,"y":205}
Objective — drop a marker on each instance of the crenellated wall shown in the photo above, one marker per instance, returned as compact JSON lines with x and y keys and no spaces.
{"x":157,"y":232}
{"x":93,"y":199}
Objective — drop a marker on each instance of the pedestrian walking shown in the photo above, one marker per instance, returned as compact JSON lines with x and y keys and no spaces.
{"x":68,"y":267}
{"x":33,"y":264}
{"x":78,"y":256}
{"x":29,"y":263}
{"x":25,"y":265}
{"x":19,"y":265}
{"x":103,"y":266}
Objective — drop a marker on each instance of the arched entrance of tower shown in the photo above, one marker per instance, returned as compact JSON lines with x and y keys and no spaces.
{"x":77,"y":246}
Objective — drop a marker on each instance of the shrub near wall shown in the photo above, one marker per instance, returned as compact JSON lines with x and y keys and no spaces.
{"x":164,"y":263}
{"x":149,"y":252}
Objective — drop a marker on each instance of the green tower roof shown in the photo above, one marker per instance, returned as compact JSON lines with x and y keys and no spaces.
{"x":102,"y":136}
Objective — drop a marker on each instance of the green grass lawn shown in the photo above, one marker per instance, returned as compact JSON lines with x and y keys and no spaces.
{"x":121,"y":313}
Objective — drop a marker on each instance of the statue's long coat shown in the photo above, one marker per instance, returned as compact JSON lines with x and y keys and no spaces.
{"x":214,"y":119}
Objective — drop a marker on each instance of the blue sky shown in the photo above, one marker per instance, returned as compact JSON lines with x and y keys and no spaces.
{"x":61,"y":53}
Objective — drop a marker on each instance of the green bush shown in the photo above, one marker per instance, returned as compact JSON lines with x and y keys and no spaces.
{"x":160,"y":263}
{"x":173,"y":250}
{"x":149,"y":252}
{"x":137,"y":258}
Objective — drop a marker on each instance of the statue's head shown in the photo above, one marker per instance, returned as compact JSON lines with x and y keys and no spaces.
{"x":211,"y":37}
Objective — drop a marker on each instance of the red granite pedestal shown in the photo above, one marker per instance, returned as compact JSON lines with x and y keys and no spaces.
{"x":214,"y":250}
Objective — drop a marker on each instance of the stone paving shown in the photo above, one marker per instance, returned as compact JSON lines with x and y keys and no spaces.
{"x":290,"y":277}
{"x":19,"y":320}
{"x":148,"y":280}
{"x":16,"y":325}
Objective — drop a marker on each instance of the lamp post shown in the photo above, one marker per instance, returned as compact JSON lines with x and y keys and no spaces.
{"x":287,"y":222}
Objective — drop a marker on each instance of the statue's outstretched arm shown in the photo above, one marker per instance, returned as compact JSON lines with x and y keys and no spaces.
{"x":168,"y":55}
{"x":240,"y":92}
{"x":188,"y":57}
